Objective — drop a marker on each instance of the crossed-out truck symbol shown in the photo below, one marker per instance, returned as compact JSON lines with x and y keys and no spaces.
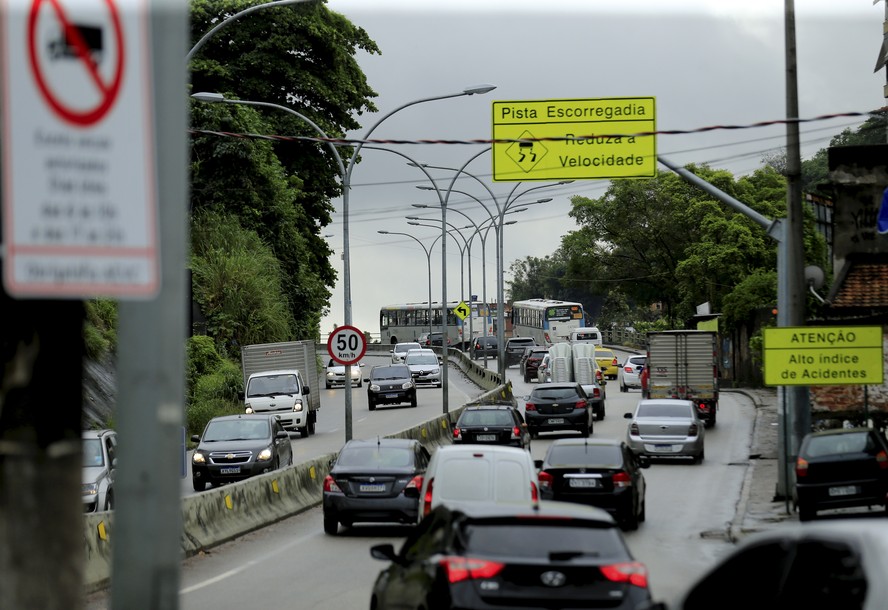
{"x":65,"y":44}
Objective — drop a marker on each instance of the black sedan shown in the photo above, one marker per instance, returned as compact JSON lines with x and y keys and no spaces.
{"x":491,"y":425}
{"x":841,"y":468}
{"x":556,"y":555}
{"x":376,"y":481}
{"x":597,"y":472}
{"x":236,"y":447}
{"x":558,"y":406}
{"x":390,"y":384}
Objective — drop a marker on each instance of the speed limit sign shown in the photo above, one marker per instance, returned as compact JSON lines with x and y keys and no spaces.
{"x":347,"y":345}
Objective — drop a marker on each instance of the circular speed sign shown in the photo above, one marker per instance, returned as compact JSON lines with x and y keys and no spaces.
{"x":347,"y":345}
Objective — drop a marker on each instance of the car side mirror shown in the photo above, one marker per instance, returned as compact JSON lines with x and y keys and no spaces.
{"x":627,"y":415}
{"x":306,"y":390}
{"x":195,"y":438}
{"x":538,"y":464}
{"x":386,"y":552}
{"x":240,"y":395}
{"x":644,"y":461}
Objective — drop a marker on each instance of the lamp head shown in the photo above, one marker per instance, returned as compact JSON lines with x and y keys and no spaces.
{"x":383,"y":232}
{"x":479,"y":89}
{"x":425,"y":187}
{"x":205,"y":96}
{"x":546,"y":200}
{"x":420,"y":205}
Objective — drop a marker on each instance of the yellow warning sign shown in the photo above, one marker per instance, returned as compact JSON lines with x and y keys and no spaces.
{"x":574,"y":139}
{"x":809,"y":355}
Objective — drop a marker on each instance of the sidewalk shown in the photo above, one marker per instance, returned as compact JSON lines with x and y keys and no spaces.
{"x":758,"y":510}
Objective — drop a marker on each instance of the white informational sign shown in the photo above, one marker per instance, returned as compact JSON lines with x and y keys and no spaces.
{"x":79,"y":187}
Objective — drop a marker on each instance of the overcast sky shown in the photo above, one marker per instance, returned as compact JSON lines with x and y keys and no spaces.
{"x":707,"y":62}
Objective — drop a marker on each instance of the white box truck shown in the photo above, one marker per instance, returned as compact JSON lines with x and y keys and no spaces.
{"x":684,"y":364}
{"x":282,"y":378}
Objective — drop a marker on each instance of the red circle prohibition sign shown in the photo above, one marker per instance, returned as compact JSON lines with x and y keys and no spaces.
{"x":108,"y":91}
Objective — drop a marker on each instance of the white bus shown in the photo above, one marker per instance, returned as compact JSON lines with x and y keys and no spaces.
{"x":546,"y":320}
{"x":407,"y":321}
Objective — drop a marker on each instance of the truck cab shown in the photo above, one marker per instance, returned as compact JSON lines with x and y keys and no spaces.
{"x":282,"y":392}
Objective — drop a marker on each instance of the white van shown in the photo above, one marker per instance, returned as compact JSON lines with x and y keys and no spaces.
{"x":590,"y":334}
{"x":460,"y":475}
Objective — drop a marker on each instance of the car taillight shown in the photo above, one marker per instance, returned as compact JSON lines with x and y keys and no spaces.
{"x":546,"y":480}
{"x":581,"y":404}
{"x":530,"y":407}
{"x":693,"y":430}
{"x":330,"y":485}
{"x":633,"y":572}
{"x":633,"y":429}
{"x":596,"y":392}
{"x":628,"y":368}
{"x":469,"y":568}
{"x":534,"y":493}
{"x":516,"y":432}
{"x":427,"y":500}
{"x":457,"y":434}
{"x":801,"y":467}
{"x":415,"y":483}
{"x":703,"y":407}
{"x":615,"y":362}
{"x":882,"y":460}
{"x":622,"y":479}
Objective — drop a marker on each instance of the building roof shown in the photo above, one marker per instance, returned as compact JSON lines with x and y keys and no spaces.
{"x":862,"y":284}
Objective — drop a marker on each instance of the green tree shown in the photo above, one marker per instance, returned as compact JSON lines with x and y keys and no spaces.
{"x":300,"y":56}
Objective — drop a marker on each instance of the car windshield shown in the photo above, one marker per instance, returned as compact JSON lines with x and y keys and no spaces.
{"x":391,"y":372}
{"x":405,"y":347}
{"x":486,"y":418}
{"x":237,"y":430}
{"x":374,"y":458}
{"x":663,"y":410}
{"x":554,"y":394}
{"x":602,"y":355}
{"x":606,"y":455}
{"x":562,"y":539}
{"x":833,"y":444}
{"x":421,"y":359}
{"x":92,"y":452}
{"x":272,"y":384}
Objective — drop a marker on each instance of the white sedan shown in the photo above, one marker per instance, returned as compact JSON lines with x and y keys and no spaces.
{"x":336,"y":374}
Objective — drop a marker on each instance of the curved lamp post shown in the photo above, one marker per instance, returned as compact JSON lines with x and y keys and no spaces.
{"x":502,"y":209}
{"x":346,"y":170}
{"x":428,"y":253}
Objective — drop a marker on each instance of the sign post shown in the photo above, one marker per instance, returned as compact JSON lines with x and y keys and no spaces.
{"x":347,"y":345}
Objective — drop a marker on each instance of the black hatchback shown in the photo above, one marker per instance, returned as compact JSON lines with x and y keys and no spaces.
{"x":390,"y":384}
{"x":498,"y":555}
{"x":491,"y":425}
{"x":375,"y":481}
{"x":558,"y":406}
{"x":841,"y":468}
{"x":600,"y":472}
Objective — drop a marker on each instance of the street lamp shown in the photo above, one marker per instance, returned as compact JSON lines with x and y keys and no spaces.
{"x":345,"y":172}
{"x":462,"y":250}
{"x":428,"y":253}
{"x":502,"y":209}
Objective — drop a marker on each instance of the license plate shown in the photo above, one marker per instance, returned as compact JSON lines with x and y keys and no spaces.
{"x":486,"y":437}
{"x":662,"y":448}
{"x":230,"y":470}
{"x":371,"y":487}
{"x":556,"y":420}
{"x":391,"y":395}
{"x":583,"y":483}
{"x":845,"y":490}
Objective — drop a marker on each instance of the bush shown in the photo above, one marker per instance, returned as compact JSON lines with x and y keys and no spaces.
{"x":100,"y":328}
{"x":201,"y":358}
{"x":213,"y":395}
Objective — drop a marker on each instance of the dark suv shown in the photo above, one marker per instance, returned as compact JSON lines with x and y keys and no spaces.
{"x":515,"y":349}
{"x":530,"y":361}
{"x":558,"y":406}
{"x":435,"y":340}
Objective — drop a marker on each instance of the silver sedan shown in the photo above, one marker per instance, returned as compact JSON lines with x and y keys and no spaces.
{"x":666,"y":427}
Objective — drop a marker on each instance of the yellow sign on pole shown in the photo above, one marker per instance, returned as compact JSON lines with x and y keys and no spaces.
{"x":462,"y":310}
{"x":574,"y":139}
{"x":810,"y":355}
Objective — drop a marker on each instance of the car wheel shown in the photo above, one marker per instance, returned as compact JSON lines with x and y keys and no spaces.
{"x":533,"y":433}
{"x":360,"y":383}
{"x":642,"y":514}
{"x":526,"y":378}
{"x":303,"y":431}
{"x":329,"y":385}
{"x":371,"y":405}
{"x":198,"y":484}
{"x":631,"y":521}
{"x":413,"y":402}
{"x":623,"y":388}
{"x":311,"y":425}
{"x":700,"y":457}
{"x":600,"y":413}
{"x":331,"y":526}
{"x":586,"y":430}
{"x":109,"y":500}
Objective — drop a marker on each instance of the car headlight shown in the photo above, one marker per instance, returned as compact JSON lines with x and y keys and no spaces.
{"x":374,"y":388}
{"x":407,"y":385}
{"x":90,"y":489}
{"x":264,"y":455}
{"x":330,"y":374}
{"x":298,"y":406}
{"x":198,"y":458}
{"x":248,"y":409}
